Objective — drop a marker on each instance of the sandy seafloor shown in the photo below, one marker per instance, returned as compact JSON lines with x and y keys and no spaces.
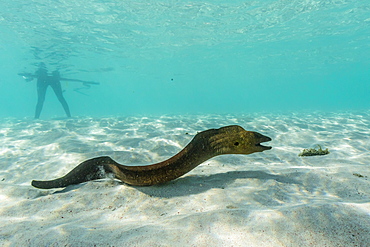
{"x":274,"y":198}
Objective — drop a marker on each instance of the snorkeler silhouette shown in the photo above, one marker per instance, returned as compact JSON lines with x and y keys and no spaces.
{"x":43,"y":81}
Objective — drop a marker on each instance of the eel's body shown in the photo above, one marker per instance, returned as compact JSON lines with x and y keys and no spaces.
{"x":205,"y":145}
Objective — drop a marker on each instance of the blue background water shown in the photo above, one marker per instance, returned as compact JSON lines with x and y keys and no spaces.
{"x":175,"y":57}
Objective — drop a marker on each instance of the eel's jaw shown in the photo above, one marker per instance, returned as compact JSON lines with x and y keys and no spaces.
{"x":262,"y":147}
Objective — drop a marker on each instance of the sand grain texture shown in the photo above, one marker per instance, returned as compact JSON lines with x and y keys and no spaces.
{"x":274,"y":198}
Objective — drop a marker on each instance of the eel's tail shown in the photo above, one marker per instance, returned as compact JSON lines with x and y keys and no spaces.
{"x":91,"y":169}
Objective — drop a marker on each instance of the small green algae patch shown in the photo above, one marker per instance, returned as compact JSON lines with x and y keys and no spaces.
{"x":313,"y":151}
{"x":359,"y":175}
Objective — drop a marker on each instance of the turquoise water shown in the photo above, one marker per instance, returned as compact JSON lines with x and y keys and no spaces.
{"x":177,"y":57}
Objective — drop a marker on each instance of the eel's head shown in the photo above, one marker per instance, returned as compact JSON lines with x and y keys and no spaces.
{"x":236,"y":140}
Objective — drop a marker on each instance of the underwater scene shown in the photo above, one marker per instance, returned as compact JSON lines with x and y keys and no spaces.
{"x":185,"y":123}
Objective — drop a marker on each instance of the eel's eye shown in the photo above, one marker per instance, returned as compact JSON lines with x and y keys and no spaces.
{"x":236,"y":144}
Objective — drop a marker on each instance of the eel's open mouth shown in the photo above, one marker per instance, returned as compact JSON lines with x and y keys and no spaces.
{"x":264,"y":139}
{"x":263,"y":147}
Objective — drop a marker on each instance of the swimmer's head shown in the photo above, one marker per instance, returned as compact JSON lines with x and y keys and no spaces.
{"x":42,"y":71}
{"x":42,"y":65}
{"x":56,"y":73}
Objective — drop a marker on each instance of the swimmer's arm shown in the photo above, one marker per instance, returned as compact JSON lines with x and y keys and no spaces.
{"x":28,"y":76}
{"x":89,"y":82}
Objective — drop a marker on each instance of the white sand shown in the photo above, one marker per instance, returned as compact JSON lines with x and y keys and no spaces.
{"x":274,"y":198}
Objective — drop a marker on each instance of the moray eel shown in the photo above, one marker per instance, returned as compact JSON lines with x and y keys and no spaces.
{"x":205,"y":145}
